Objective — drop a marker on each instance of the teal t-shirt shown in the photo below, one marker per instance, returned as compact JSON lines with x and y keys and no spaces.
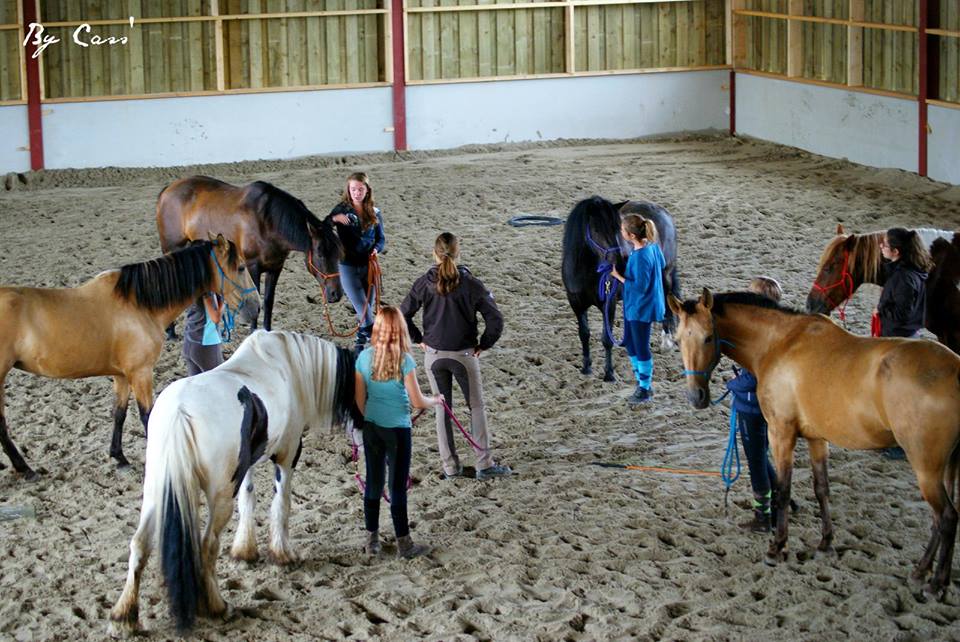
{"x":388,"y":404}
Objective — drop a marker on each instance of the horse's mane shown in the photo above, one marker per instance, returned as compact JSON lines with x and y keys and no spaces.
{"x":281,"y":212}
{"x":579,"y":256}
{"x":170,"y":279}
{"x":865,"y":256}
{"x":722,"y":299}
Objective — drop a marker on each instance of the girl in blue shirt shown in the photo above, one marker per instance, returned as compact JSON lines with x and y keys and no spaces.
{"x":643,"y":300}
{"x":386,"y":388}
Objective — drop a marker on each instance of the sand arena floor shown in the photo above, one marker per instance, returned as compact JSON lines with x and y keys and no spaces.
{"x":563,"y":549}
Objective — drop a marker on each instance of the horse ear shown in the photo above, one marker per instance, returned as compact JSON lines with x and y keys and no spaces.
{"x":839,"y":229}
{"x":220,"y":241}
{"x":675,"y":304}
{"x":706,"y":299}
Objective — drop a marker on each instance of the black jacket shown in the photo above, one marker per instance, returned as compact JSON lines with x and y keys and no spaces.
{"x":902,"y":301}
{"x":357,"y":242}
{"x":450,"y":321}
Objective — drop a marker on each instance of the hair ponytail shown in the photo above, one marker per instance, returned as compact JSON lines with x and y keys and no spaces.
{"x":446,"y":250}
{"x":642,"y":228}
{"x":911,"y":248}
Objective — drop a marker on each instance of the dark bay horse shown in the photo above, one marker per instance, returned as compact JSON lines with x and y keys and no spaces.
{"x":113,"y":325}
{"x":264,"y":221}
{"x":850,"y":260}
{"x":822,"y":383}
{"x":591,"y":244}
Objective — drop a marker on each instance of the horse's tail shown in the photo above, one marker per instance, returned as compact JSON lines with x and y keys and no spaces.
{"x":175,"y":491}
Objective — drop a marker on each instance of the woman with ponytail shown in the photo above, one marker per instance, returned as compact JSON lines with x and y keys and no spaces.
{"x":902,"y":302}
{"x":451,"y":298}
{"x":360,"y":227}
{"x":386,"y":389}
{"x":643,"y":301}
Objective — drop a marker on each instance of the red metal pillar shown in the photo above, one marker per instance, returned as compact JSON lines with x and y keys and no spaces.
{"x":399,"y":77}
{"x":733,"y":102}
{"x":923,"y":87}
{"x":34,"y":122}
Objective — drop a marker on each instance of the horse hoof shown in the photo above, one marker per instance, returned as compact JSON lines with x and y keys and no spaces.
{"x":249,"y":556}
{"x":609,"y":377}
{"x":824,"y":552}
{"x":281,"y":558}
{"x":770,"y":560}
{"x":586,"y":370}
{"x":933,"y":590}
{"x":122,"y":463}
{"x":30,"y":475}
{"x":123,"y":629}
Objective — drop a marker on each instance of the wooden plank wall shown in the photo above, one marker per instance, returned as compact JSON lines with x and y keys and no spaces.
{"x":825,"y":45}
{"x":10,"y":58}
{"x":949,"y":47}
{"x":889,"y":57}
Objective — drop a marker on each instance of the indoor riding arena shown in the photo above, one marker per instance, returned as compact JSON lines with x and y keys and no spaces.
{"x":759,"y":125}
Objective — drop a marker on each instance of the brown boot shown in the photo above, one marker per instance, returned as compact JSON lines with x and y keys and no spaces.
{"x":407,"y":549}
{"x":372,"y":547}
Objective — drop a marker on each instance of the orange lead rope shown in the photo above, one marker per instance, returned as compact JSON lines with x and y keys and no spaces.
{"x":374,"y":292}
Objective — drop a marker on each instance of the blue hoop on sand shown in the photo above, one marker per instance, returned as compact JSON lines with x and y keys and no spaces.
{"x":528,"y":221}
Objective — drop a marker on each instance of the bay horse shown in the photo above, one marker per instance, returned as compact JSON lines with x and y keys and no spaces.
{"x":206,"y":433}
{"x":822,"y":383}
{"x":849,"y":260}
{"x":113,"y":325}
{"x":591,"y":245}
{"x":265,"y":222}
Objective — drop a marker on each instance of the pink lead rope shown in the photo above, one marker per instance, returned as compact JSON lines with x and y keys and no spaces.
{"x":355,"y":450}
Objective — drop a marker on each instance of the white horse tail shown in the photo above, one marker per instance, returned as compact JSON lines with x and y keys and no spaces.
{"x":175,"y":491}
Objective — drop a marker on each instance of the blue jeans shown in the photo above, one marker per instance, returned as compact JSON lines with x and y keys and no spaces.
{"x":353,"y":279}
{"x":380,"y":446}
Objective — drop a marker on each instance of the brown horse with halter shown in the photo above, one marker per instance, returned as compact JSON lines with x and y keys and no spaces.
{"x":850,"y":260}
{"x":265,"y":222}
{"x":113,"y":325}
{"x":822,"y":383}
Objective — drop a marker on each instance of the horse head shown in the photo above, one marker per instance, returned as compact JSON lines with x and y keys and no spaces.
{"x":834,"y":283}
{"x":323,"y":259}
{"x":239,"y":291}
{"x":699,"y":344}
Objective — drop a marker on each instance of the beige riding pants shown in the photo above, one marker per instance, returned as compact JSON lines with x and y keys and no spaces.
{"x":443,"y":366}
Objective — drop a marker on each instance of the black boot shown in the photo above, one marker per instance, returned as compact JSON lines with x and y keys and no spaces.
{"x":762,"y":515}
{"x":363,"y":336}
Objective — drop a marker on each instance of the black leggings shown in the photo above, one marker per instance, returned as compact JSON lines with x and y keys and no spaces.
{"x":753,"y":436}
{"x":380,"y":446}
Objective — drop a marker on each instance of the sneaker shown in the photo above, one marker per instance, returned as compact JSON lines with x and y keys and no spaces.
{"x":894,"y":454}
{"x":454,"y":475}
{"x":639,"y":396}
{"x":759,"y":524}
{"x":493,"y":471}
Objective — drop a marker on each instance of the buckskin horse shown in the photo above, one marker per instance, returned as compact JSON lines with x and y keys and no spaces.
{"x":265,"y":222}
{"x":592,"y":244}
{"x":113,"y":325}
{"x":206,"y":433}
{"x":849,"y":260}
{"x":822,"y":383}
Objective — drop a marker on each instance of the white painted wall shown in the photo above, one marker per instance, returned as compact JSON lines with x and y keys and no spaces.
{"x":14,"y":139}
{"x":617,"y":106}
{"x":212,"y":129}
{"x":863,"y":128}
{"x":943,"y":144}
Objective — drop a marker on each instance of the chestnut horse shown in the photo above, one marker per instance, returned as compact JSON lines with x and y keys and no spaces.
{"x":113,"y":325}
{"x":850,"y":260}
{"x":817,"y":381}
{"x":264,"y":221}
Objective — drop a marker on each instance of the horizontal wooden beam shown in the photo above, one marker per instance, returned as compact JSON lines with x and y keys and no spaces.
{"x":831,"y":21}
{"x":187,"y":94}
{"x":944,"y":32}
{"x":575,"y":74}
{"x":826,"y":83}
{"x":211,"y":18}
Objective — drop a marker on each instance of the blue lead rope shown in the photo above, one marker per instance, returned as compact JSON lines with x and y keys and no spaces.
{"x":732,"y":455}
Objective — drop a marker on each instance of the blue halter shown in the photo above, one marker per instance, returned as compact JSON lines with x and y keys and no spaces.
{"x":229,"y":315}
{"x":608,"y":288}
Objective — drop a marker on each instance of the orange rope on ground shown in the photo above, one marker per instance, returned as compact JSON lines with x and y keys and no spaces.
{"x":374,"y":290}
{"x":659,"y":469}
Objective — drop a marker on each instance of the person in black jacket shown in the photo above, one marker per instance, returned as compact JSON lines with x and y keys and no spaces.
{"x":360,"y":227}
{"x":903,"y":298}
{"x":451,"y":297}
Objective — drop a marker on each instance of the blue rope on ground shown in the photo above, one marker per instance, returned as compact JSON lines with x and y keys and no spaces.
{"x":732,"y":455}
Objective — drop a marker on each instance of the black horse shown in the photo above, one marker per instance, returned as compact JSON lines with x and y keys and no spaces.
{"x":591,"y":243}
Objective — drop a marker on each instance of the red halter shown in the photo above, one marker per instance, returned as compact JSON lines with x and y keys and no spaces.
{"x":846,"y":280}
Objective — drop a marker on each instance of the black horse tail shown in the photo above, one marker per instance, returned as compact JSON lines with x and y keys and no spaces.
{"x":344,"y":402}
{"x":253,"y":435}
{"x":177,"y":519}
